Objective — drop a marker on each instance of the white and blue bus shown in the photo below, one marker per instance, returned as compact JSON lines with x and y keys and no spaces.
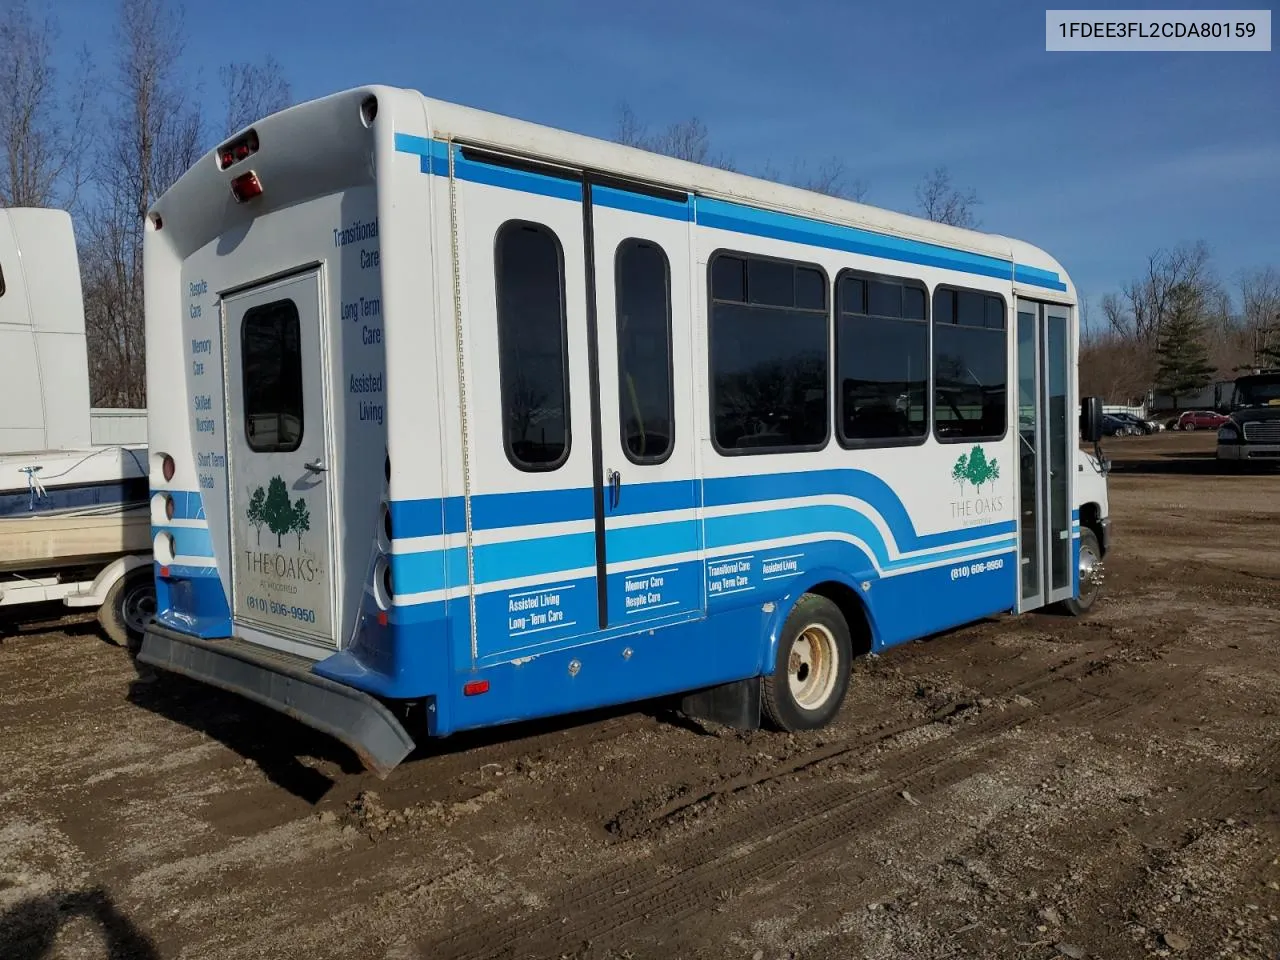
{"x":457,"y":420}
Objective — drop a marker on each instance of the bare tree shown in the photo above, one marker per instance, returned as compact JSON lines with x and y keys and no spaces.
{"x":253,"y":91}
{"x":44,"y":124}
{"x":1260,"y":313}
{"x":156,"y":136}
{"x":690,"y":140}
{"x":1144,"y":305}
{"x":942,"y":202}
{"x":685,"y":140}
{"x":831,"y":177}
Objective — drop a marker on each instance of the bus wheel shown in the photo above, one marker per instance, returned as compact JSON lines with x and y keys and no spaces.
{"x":1090,"y":575}
{"x":811,"y":671}
{"x":130,"y":604}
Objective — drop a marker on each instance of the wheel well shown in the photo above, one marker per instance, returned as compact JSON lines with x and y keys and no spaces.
{"x":852,"y":609}
{"x":1091,"y":517}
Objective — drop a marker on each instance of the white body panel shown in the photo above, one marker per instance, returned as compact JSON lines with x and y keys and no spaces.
{"x":44,"y":374}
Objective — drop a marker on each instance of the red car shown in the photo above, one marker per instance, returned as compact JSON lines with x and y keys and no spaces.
{"x":1201,"y":420}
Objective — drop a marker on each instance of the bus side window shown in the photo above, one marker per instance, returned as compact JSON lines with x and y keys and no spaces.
{"x":769,"y":352}
{"x":970,"y":365}
{"x":642,"y":280}
{"x":532,"y":345}
{"x":882,"y":360}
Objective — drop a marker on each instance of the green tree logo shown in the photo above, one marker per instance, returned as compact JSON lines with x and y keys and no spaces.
{"x":254,"y":513}
{"x":959,"y":473}
{"x":301,"y":519}
{"x":975,"y":468}
{"x":271,"y":508}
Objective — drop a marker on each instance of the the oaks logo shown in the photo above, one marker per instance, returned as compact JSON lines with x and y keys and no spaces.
{"x":271,"y":508}
{"x":977,"y":471}
{"x":975,"y":468}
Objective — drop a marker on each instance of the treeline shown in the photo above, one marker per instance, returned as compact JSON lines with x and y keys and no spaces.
{"x":1179,"y":327}
{"x":103,"y":138}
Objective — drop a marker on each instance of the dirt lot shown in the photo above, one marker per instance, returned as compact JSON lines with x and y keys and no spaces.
{"x":1031,"y":787}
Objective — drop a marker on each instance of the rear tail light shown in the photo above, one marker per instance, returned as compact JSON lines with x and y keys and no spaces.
{"x":167,"y":468}
{"x":246,"y":186}
{"x":169,"y":508}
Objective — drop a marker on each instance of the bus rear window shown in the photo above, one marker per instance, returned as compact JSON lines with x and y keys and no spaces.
{"x":271,"y":365}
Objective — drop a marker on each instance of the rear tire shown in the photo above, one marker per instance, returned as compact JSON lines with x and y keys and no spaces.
{"x":811,"y":669}
{"x":1090,"y":576}
{"x":128,"y":608}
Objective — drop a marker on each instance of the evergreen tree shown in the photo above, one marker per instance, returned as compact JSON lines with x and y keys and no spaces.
{"x":1183,"y":354}
{"x":277,"y":512}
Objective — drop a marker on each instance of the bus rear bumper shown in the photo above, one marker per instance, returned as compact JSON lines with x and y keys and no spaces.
{"x":284,"y":683}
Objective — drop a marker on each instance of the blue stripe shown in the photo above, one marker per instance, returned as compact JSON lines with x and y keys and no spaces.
{"x":1037,"y":277}
{"x":496,"y":511}
{"x":642,"y":203}
{"x":739,"y":218}
{"x":188,"y":541}
{"x":847,"y":482}
{"x":523,"y":180}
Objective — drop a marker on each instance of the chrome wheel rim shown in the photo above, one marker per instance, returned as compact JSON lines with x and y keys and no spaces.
{"x":812,"y":666}
{"x":1090,"y":574}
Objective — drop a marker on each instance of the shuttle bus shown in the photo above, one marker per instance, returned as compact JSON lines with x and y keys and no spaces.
{"x":458,"y":420}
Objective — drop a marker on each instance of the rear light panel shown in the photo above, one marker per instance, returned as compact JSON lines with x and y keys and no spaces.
{"x":241,"y":148}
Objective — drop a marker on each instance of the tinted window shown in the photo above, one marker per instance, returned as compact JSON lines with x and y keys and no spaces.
{"x":643,"y":289}
{"x":769,"y":355}
{"x":882,"y":361}
{"x":531,"y":346}
{"x":970,"y":365}
{"x":271,"y":366}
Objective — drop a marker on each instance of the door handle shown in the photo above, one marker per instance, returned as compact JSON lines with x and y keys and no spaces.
{"x":315,"y":466}
{"x":615,"y":488}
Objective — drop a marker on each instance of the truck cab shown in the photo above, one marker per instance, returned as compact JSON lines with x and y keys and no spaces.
{"x":1252,"y":432}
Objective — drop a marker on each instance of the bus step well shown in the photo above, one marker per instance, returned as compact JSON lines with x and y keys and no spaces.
{"x":285,"y":683}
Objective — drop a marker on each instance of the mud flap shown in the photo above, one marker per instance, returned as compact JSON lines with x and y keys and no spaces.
{"x":284,"y":683}
{"x":734,"y":704}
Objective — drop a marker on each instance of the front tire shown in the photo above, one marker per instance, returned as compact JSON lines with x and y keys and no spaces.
{"x":1090,"y":575}
{"x":128,"y":608}
{"x":811,"y":670}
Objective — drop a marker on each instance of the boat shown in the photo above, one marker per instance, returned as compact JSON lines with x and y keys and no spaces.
{"x":62,"y":508}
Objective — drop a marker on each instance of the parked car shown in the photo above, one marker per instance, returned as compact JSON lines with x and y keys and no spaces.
{"x":1113,"y":426}
{"x":1142,"y":426}
{"x":1201,"y":420}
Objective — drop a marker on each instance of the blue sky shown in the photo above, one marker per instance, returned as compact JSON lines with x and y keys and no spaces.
{"x":1098,"y":158}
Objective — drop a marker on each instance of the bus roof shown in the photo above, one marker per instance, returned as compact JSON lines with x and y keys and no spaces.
{"x":501,"y":133}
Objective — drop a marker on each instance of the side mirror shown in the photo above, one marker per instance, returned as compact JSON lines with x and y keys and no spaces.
{"x":1091,"y":419}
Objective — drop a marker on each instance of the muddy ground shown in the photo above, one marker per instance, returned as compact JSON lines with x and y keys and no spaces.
{"x":1026,"y":787}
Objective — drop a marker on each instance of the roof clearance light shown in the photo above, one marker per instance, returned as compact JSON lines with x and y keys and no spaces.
{"x":246,"y":186}
{"x":238,"y":149}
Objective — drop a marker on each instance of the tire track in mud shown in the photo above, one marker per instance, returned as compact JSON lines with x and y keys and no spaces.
{"x":765,"y":839}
